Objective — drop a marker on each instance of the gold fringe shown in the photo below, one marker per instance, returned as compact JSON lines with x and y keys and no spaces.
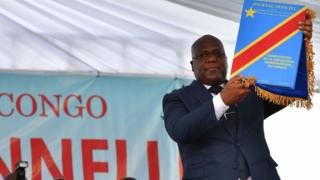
{"x":295,"y":101}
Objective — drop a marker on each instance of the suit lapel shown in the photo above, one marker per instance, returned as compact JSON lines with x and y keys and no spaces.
{"x":200,"y":92}
{"x":229,"y":122}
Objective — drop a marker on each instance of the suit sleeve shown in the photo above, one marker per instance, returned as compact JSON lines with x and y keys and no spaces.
{"x":270,"y":108}
{"x":183,"y":125}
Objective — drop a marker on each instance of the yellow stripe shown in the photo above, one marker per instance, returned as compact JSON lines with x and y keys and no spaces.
{"x":269,"y":32}
{"x":264,"y":53}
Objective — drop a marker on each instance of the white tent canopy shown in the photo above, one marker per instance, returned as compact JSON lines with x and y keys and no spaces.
{"x":100,"y":36}
{"x":107,"y":36}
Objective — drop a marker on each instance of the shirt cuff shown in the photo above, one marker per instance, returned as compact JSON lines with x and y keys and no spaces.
{"x":219,"y":106}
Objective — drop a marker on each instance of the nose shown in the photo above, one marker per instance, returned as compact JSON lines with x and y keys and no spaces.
{"x":211,"y":59}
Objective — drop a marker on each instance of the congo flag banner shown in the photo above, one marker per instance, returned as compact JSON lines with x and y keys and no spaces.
{"x":267,"y":42}
{"x":271,"y":48}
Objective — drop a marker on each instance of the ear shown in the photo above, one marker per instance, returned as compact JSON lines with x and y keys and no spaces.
{"x":191,"y":62}
{"x":226,"y":63}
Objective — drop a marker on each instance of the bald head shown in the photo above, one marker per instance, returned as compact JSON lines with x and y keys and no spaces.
{"x":203,"y":40}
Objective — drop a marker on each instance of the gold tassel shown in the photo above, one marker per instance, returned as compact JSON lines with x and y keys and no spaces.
{"x":295,"y":101}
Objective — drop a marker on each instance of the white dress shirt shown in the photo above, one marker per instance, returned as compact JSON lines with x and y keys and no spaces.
{"x":218,"y":104}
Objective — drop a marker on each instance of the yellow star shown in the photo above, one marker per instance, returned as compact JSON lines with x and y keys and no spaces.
{"x":250,"y":12}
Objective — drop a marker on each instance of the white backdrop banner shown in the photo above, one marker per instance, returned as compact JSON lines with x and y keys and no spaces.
{"x":86,"y":127}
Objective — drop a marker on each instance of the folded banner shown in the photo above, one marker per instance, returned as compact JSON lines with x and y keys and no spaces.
{"x":83,"y":127}
{"x":271,"y":48}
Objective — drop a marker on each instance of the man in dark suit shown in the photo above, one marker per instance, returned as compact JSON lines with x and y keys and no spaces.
{"x":218,"y":124}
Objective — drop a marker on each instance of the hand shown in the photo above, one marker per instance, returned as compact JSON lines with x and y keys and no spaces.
{"x":235,"y":91}
{"x":306,"y":25}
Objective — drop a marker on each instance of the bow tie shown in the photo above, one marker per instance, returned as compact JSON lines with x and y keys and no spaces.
{"x":215,"y":89}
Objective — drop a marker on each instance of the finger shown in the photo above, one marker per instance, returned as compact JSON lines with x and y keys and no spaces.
{"x":307,"y":29}
{"x":304,"y":27}
{"x":239,"y":86}
{"x":245,"y":91}
{"x":235,"y":78}
{"x":307,"y":22}
{"x":252,"y":81}
{"x":236,"y":85}
{"x":245,"y":85}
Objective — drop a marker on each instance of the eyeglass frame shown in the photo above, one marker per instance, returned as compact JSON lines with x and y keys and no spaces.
{"x":205,"y":55}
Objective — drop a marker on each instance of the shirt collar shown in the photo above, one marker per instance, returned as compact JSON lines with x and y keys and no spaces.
{"x":209,"y":86}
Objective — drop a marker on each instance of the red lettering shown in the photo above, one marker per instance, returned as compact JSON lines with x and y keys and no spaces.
{"x":153,"y":160}
{"x":4,"y":170}
{"x":89,"y":166}
{"x":15,"y":148}
{"x":66,"y":106}
{"x":67,"y":159}
{"x":33,"y":105}
{"x":15,"y":152}
{"x":26,"y":105}
{"x":103,"y":106}
{"x":45,"y":100}
{"x":121,"y":150}
{"x":180,"y":167}
{"x":40,"y":151}
{"x":10,"y":96}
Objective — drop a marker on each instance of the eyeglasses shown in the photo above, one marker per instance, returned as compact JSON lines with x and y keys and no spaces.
{"x":205,"y":55}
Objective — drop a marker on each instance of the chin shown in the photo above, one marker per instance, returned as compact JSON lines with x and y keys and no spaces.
{"x":215,"y":80}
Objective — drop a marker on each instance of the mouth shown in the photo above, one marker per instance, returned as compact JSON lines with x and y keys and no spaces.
{"x":214,"y":68}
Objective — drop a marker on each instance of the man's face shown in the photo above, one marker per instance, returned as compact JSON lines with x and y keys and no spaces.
{"x":209,"y":61}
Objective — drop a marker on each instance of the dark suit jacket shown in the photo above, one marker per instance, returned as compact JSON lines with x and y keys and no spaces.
{"x":208,"y":147}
